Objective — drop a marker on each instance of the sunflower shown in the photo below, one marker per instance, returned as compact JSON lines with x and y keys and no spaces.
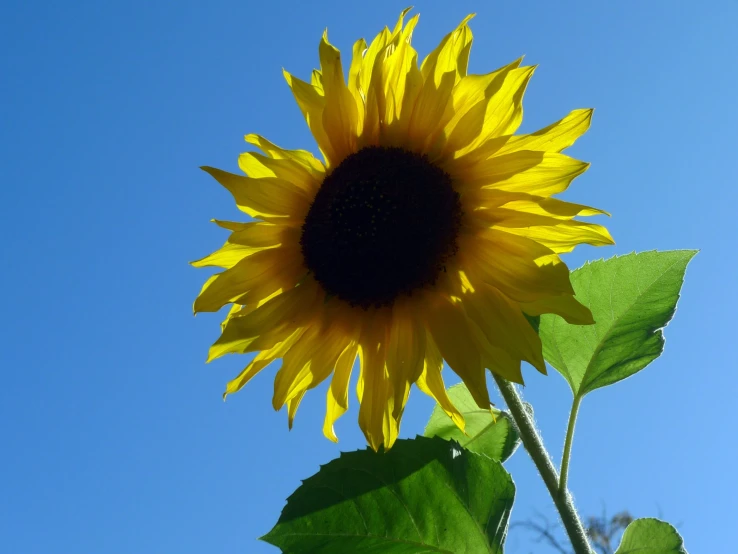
{"x":427,"y":232}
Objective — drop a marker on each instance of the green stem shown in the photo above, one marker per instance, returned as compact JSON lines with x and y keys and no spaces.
{"x":538,"y":453}
{"x":567,"y":445}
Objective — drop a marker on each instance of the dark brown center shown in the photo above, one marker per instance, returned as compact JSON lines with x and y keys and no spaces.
{"x":383,"y":223}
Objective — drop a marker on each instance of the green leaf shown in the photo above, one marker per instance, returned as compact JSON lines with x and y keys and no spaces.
{"x":632,"y":298}
{"x":424,"y":495}
{"x":651,"y":536}
{"x":488,"y":432}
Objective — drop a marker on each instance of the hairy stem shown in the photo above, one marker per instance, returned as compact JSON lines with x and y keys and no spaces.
{"x":567,"y":445}
{"x":541,"y":458}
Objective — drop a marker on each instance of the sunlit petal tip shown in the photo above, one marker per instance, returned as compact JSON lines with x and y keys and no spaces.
{"x":330,"y":435}
{"x":401,"y":19}
{"x":588,"y":112}
{"x":212,"y":355}
{"x":466,"y":20}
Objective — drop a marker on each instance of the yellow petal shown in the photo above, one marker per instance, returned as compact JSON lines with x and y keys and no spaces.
{"x":564,"y":236}
{"x":308,"y":363}
{"x":262,"y":359}
{"x":449,"y":327}
{"x":231,"y":225}
{"x":531,"y":204}
{"x":433,"y":108}
{"x":432,"y":111}
{"x":282,"y":314}
{"x":302,"y":157}
{"x":292,"y":405}
{"x":312,"y":104}
{"x":226,"y":257}
{"x":267,"y":269}
{"x":565,"y":305}
{"x":504,"y":325}
{"x":498,"y":113}
{"x":354,"y":82}
{"x":470,"y":98}
{"x":495,"y":359}
{"x":266,"y":198}
{"x":371,"y":90}
{"x":340,"y":116}
{"x":402,"y":82}
{"x":406,"y":351}
{"x":316,"y":79}
{"x":431,"y":382}
{"x":258,"y":166}
{"x":253,"y":237}
{"x":535,"y":173}
{"x":554,"y":138}
{"x":337,"y":397}
{"x":450,"y":56}
{"x":522,"y":269}
{"x":374,"y":389}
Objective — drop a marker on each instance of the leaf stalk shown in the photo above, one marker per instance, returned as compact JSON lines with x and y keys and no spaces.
{"x":534,"y":445}
{"x":568,"y":444}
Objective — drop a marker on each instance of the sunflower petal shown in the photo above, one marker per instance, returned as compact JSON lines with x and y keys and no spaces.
{"x":402,"y":82}
{"x":300,"y":157}
{"x":282,"y":314}
{"x":450,"y":56}
{"x":264,"y":198}
{"x":565,"y":306}
{"x":258,"y":166}
{"x":530,"y":204}
{"x":225,"y":287}
{"x":406,"y":352}
{"x":251,"y":238}
{"x":504,"y":325}
{"x":251,"y":279}
{"x":354,"y":82}
{"x":497,"y":360}
{"x":340,"y":118}
{"x":498,"y":113}
{"x":432,"y":111}
{"x":312,"y":104}
{"x":471,"y":95}
{"x":260,"y":361}
{"x":337,"y":397}
{"x":374,"y":389}
{"x":431,"y":382}
{"x":292,"y":405}
{"x":554,"y":138}
{"x":449,"y":327}
{"x":230,"y":225}
{"x":433,"y":108}
{"x":521,"y":268}
{"x":564,"y":236}
{"x":536,"y":173}
{"x":307,"y":364}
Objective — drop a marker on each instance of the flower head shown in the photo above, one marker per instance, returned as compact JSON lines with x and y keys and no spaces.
{"x":427,"y":233}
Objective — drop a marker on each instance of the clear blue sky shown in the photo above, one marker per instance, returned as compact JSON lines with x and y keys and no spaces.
{"x":113,"y":435}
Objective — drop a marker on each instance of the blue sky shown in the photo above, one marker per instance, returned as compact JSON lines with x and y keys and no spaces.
{"x":114,"y":437}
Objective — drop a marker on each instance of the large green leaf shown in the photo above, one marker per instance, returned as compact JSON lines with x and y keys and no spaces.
{"x":651,"y":536}
{"x":489,"y":432}
{"x":632,"y":298}
{"x":424,"y":495}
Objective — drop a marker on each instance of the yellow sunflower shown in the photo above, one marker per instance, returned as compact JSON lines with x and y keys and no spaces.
{"x":427,"y":233}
